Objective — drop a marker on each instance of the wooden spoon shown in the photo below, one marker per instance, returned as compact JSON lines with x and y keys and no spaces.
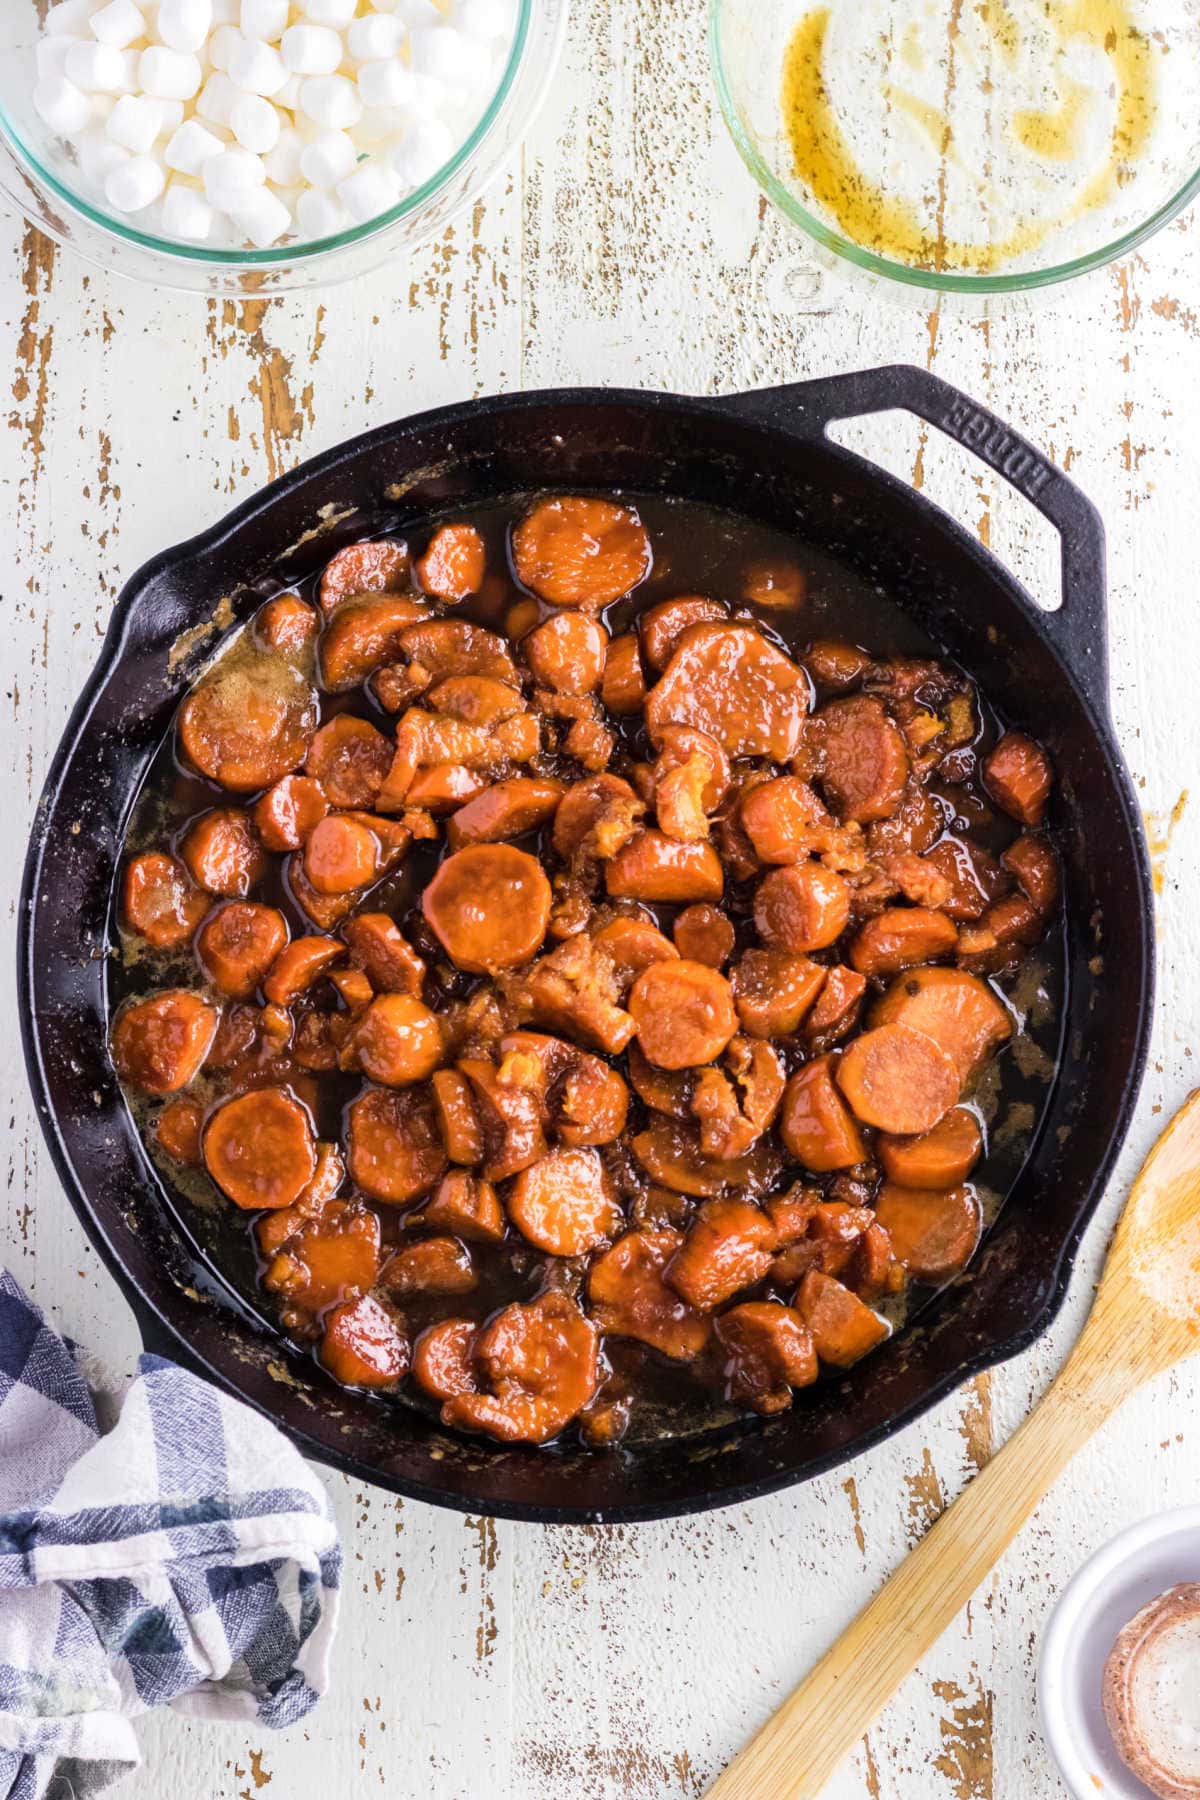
{"x":1146,"y":1318}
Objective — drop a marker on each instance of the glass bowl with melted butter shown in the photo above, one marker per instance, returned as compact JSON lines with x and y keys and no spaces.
{"x":972,"y":145}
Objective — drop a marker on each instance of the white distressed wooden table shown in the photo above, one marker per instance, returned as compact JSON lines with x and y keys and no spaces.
{"x":485,"y":1661}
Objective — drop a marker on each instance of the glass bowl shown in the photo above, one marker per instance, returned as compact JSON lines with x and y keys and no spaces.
{"x":990,"y":148}
{"x":38,"y":177}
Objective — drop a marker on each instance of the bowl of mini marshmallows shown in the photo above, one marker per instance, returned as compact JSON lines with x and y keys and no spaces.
{"x":250,"y":146}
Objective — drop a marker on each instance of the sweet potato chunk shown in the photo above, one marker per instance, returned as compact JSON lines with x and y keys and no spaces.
{"x":380,"y":948}
{"x":629,"y":1297}
{"x":683,"y":1011}
{"x":540,"y":1361}
{"x":623,"y":686}
{"x":634,"y":944}
{"x":259,"y":1148}
{"x":1033,"y":861}
{"x":801,"y":908}
{"x":843,"y":1328}
{"x":691,"y":778}
{"x":768,"y":1351}
{"x":362,"y":635}
{"x":728,"y":1248}
{"x":596,"y":817}
{"x":1018,"y":776}
{"x":941,"y":1158}
{"x":567,"y":653}
{"x":933,"y":1231}
{"x":786,"y":821}
{"x":159,"y":1044}
{"x":815,"y":1124}
{"x":734,"y":1105}
{"x":287,"y":812}
{"x":505,"y":810}
{"x":836,"y":1008}
{"x":901,"y":937}
{"x":437,"y":1265}
{"x":341,"y":855}
{"x":159,"y":902}
{"x":177,"y":1132}
{"x":954,"y":1008}
{"x":652,"y":866}
{"x":670,"y":1153}
{"x":378,"y":567}
{"x":864,"y":761}
{"x":898,"y":1079}
{"x":565,"y":1204}
{"x":237,"y":945}
{"x":453,"y":564}
{"x":362,"y":1345}
{"x":248,"y":722}
{"x":223,"y":854}
{"x":286,"y":624}
{"x":298,"y":965}
{"x":662,"y":626}
{"x":467,"y":1206}
{"x":395,"y":1041}
{"x":457,"y":1117}
{"x":442,"y":1359}
{"x":349,"y":758}
{"x":974,"y":878}
{"x":489,"y":906}
{"x":731,"y":681}
{"x":703,"y":934}
{"x":576,"y":551}
{"x":773,"y":989}
{"x":395,"y":1147}
{"x":511,"y":1118}
{"x":330,"y":1256}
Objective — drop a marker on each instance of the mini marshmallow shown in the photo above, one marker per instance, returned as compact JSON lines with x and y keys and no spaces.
{"x":190,"y":147}
{"x":328,"y":159}
{"x":102,"y":105}
{"x":289,"y":93}
{"x":266,"y":19}
{"x":330,"y":100}
{"x":416,"y":12}
{"x":69,"y":18}
{"x":97,"y":155}
{"x":282,"y":163}
{"x":98,"y":68}
{"x":257,"y":68}
{"x":215,"y":99}
{"x":375,"y":37}
{"x":387,"y":83}
{"x":134,"y":184}
{"x":446,"y":55}
{"x":221,"y":46}
{"x":225,"y":12}
{"x":170,"y":117}
{"x":320,"y":214}
{"x":262,"y":217}
{"x":60,"y":105}
{"x":254,"y":122}
{"x":426,"y":146}
{"x":368,"y":192}
{"x":185,"y":24}
{"x":231,"y":175}
{"x":484,"y":19}
{"x":134,"y":123}
{"x":186,"y":214}
{"x":50,"y":55}
{"x":337,"y":13}
{"x":311,"y":50}
{"x":380,"y":125}
{"x":118,"y":24}
{"x":169,"y":74}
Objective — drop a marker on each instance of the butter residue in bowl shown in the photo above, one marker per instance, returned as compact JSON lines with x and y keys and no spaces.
{"x":1151,"y":1693}
{"x":961,"y":137}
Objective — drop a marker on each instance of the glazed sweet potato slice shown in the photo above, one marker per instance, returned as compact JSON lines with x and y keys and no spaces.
{"x":331,"y":1256}
{"x":177,"y":1132}
{"x":505,"y":810}
{"x":735,"y":1104}
{"x":395,"y":1041}
{"x":378,"y":567}
{"x":449,"y":647}
{"x":901,"y":937}
{"x":577,"y":551}
{"x":728,"y":1248}
{"x":731,"y":682}
{"x":445,"y":787}
{"x":341,"y":855}
{"x":380,"y":948}
{"x":259,"y":1148}
{"x":362,"y":1345}
{"x":843,"y":1328}
{"x":592,"y":1104}
{"x":1018,"y":776}
{"x":362,"y":635}
{"x":666,"y":1092}
{"x":634,"y":944}
{"x":1034,"y":863}
{"x":488,"y":906}
{"x":436,"y":1265}
{"x":298,"y":965}
{"x":662,"y":626}
{"x":349,"y":757}
{"x":324,"y":910}
{"x":941,"y":1158}
{"x":623,"y":685}
{"x":159,"y":901}
{"x":458,"y":1119}
{"x":511,"y":1119}
{"x":956,"y":1009}
{"x":286,"y":624}
{"x":898,"y":1079}
{"x":629,"y":1298}
{"x":933,"y":1231}
{"x":476,"y":699}
{"x":160,"y":1043}
{"x":767,"y":1351}
{"x":454,"y":563}
{"x":577,"y":989}
{"x":223,"y":853}
{"x":287,"y":812}
{"x":565,"y":1204}
{"x":541,"y":1364}
{"x":702,"y":933}
{"x":671,"y":1155}
{"x":835,"y":1011}
{"x":249,"y":721}
{"x":237,"y":945}
{"x":773,"y":990}
{"x":801,"y":908}
{"x":596,"y":817}
{"x":683,"y":1011}
{"x":786,"y":821}
{"x":864,"y":760}
{"x":975,"y":879}
{"x":395,"y":1150}
{"x":467,"y":1206}
{"x":442,"y":1359}
{"x":835,"y":663}
{"x":652,"y":866}
{"x":814,"y":1122}
{"x":567,"y":653}
{"x":691,"y":778}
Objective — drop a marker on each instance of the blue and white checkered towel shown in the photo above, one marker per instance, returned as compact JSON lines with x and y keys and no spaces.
{"x":185,"y":1556}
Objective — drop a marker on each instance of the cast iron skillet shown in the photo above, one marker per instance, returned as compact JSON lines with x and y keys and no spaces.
{"x":764,"y":454}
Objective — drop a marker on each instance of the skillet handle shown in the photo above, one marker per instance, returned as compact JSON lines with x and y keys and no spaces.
{"x":1079,"y":628}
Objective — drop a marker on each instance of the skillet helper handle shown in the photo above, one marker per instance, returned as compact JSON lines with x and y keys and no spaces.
{"x":1079,"y":628}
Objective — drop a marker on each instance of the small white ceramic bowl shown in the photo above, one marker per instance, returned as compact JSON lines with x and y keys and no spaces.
{"x":1117,"y":1582}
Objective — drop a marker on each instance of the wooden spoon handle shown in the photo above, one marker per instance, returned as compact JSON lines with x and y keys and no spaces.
{"x":800,"y":1746}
